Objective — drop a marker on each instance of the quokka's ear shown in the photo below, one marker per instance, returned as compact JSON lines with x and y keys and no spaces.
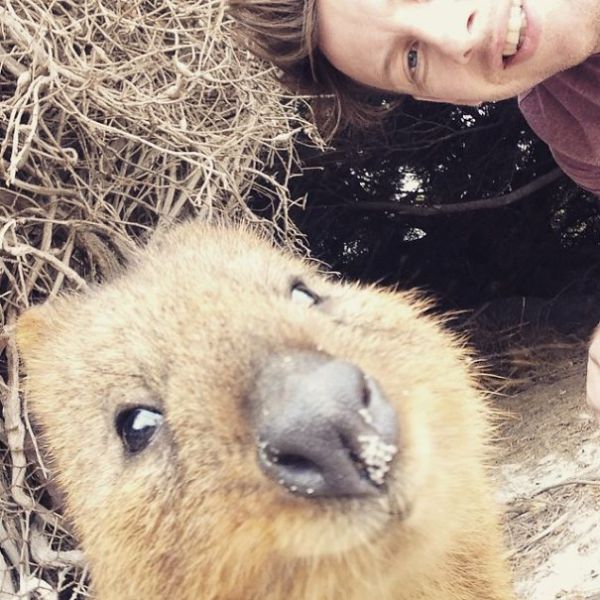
{"x":33,"y":328}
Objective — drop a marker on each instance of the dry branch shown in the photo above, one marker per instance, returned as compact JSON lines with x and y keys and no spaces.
{"x":456,"y":207}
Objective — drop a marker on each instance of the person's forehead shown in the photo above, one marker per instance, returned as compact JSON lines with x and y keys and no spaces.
{"x":359,"y":9}
{"x":352,"y":34}
{"x":338,"y":15}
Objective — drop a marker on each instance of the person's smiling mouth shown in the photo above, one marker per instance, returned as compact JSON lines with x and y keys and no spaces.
{"x":516,"y":29}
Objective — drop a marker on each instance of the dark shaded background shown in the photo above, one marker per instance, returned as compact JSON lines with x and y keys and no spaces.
{"x":360,"y":218}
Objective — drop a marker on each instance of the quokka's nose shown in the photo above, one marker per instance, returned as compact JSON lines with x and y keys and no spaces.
{"x":323,"y":428}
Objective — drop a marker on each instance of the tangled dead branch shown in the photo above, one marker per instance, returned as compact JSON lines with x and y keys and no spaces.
{"x":115,"y":118}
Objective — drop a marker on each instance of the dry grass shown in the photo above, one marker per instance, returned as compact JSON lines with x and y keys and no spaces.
{"x":116,"y":117}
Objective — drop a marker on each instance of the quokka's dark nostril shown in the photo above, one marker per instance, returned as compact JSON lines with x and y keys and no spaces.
{"x":322,"y":427}
{"x":294,"y":463}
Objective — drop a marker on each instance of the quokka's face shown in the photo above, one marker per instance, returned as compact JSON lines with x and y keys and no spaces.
{"x":225,"y":402}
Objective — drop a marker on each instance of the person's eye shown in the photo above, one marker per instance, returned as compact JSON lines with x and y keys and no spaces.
{"x":412,"y":60}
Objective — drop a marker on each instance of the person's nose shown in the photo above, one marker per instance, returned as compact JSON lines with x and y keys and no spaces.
{"x":449,"y":26}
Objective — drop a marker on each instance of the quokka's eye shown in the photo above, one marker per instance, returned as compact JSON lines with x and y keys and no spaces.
{"x":300,"y":294}
{"x":137,"y":426}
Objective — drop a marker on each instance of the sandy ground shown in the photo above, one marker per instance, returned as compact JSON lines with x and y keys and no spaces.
{"x":548,"y":473}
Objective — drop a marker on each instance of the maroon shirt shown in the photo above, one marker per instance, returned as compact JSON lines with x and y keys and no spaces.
{"x":564,"y":111}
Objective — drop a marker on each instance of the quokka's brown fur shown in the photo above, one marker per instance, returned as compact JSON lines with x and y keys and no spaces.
{"x":192,"y":517}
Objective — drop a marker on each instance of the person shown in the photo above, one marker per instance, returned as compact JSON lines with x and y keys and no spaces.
{"x":545,"y":52}
{"x":592,"y":384}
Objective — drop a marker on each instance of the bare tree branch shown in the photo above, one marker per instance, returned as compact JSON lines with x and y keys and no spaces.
{"x":439,"y":209}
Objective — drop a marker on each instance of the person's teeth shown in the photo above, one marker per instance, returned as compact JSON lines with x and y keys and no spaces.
{"x":523,"y":28}
{"x":515,"y":30}
{"x":514,"y":21}
{"x":513,"y":36}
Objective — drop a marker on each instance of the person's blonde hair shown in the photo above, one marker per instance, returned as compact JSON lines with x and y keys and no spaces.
{"x":285,"y":33}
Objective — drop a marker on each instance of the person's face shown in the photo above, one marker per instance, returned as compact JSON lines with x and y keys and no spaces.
{"x":460,"y":51}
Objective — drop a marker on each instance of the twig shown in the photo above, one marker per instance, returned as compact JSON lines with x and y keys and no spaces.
{"x":21,"y":250}
{"x":539,"y":536}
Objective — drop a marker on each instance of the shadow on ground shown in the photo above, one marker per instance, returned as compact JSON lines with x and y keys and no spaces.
{"x":548,"y":474}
